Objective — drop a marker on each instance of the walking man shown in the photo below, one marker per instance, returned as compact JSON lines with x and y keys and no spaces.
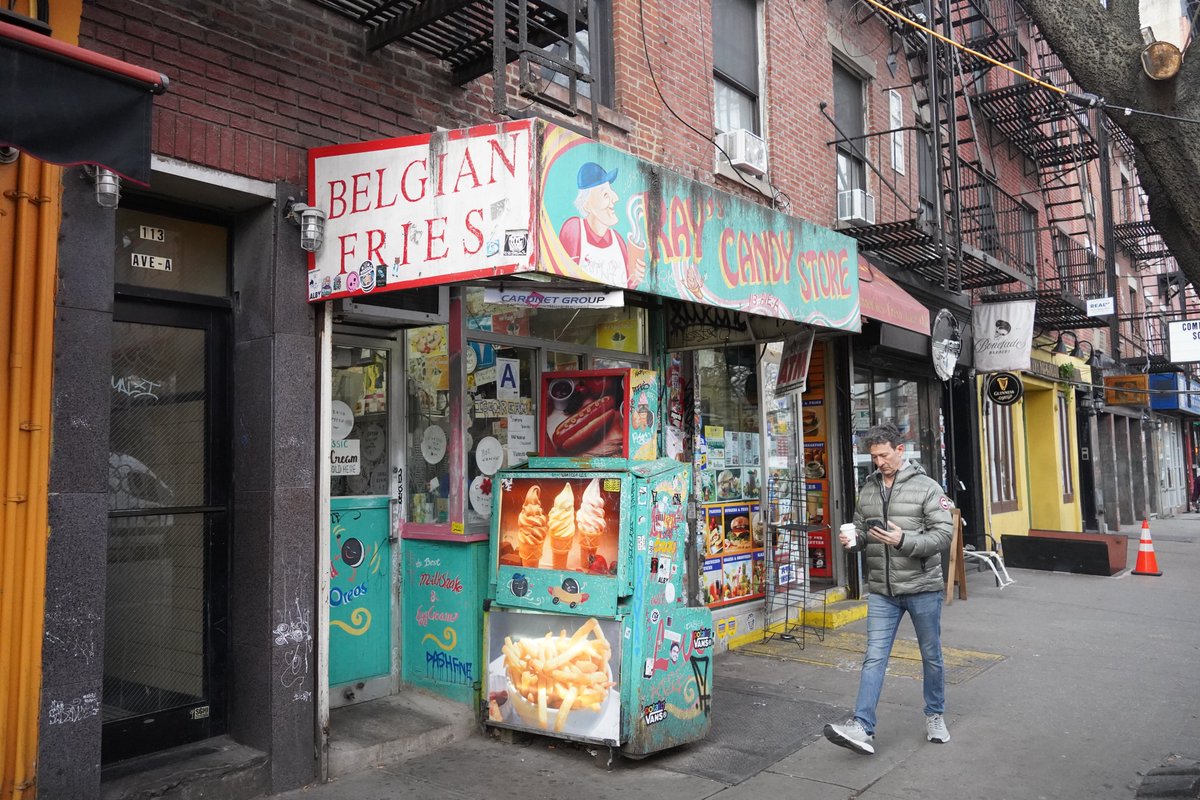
{"x":903,"y":523}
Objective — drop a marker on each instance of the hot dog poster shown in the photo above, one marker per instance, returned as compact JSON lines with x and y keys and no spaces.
{"x":595,"y":413}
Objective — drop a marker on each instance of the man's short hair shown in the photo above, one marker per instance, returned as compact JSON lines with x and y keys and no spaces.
{"x":886,"y":433}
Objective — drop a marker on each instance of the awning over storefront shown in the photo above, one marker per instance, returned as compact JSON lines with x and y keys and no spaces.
{"x":883,"y":300}
{"x":67,"y":105}
{"x":529,"y":198}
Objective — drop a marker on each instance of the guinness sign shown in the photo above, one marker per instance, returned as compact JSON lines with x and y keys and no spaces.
{"x":1003,"y":388}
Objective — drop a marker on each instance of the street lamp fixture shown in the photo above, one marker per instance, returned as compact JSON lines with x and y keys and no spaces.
{"x":310,"y":220}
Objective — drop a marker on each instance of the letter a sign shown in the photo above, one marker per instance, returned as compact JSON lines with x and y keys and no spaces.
{"x":508,"y":379}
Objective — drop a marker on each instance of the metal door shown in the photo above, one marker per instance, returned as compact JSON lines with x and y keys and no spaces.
{"x":166,"y":595}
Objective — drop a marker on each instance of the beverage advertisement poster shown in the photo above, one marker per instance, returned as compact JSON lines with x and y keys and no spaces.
{"x":555,"y":674}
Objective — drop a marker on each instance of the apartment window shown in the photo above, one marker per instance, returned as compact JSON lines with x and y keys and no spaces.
{"x":896,"y":124}
{"x":1064,"y":450}
{"x":1126,"y":204}
{"x":1002,"y":460}
{"x":593,"y":54}
{"x":927,"y":174}
{"x":1029,"y":237}
{"x":850,"y":113}
{"x":736,"y":65}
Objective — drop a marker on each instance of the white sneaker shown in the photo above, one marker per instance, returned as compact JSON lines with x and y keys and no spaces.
{"x":852,"y":736}
{"x":936,"y":730}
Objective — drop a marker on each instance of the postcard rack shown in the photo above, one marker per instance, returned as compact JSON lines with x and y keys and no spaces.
{"x":788,"y":616}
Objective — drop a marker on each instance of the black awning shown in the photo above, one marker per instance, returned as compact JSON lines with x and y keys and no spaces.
{"x":67,"y":105}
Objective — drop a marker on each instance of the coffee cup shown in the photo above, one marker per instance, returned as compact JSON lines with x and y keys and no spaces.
{"x":847,"y":534}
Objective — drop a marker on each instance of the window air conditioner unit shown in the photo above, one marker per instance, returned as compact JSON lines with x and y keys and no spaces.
{"x":856,"y":207}
{"x":401,"y":308}
{"x":747,"y":152}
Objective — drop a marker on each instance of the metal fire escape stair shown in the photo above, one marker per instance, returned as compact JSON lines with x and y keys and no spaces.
{"x":968,"y":242}
{"x":1056,"y":138}
{"x":480,"y":37}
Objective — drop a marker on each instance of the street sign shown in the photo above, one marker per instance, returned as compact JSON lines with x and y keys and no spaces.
{"x":1004,"y":388}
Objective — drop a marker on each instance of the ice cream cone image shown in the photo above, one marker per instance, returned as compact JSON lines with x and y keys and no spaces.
{"x":561,"y":526}
{"x":531,"y":528}
{"x":589,"y":522}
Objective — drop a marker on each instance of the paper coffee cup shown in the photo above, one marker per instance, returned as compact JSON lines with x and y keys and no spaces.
{"x":847,"y":530}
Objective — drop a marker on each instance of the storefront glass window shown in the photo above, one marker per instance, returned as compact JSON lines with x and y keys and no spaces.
{"x":729,"y":474}
{"x":501,"y":419}
{"x":428,"y":368}
{"x":877,"y":398}
{"x":619,"y":329}
{"x":359,"y":459}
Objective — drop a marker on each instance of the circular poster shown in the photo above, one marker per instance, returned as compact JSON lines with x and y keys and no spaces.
{"x":433,"y":444}
{"x":341,"y":419}
{"x":489,"y":455}
{"x":480,"y":495}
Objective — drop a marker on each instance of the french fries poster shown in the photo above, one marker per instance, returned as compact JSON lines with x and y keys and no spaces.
{"x":555,"y":674}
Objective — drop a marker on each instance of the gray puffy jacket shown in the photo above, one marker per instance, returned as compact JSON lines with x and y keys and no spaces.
{"x":918,"y":505}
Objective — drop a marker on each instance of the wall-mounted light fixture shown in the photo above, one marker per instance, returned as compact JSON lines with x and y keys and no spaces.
{"x":1061,"y":345}
{"x":8,"y":155}
{"x":108,"y":186}
{"x":310,"y":220}
{"x":1083,"y":349}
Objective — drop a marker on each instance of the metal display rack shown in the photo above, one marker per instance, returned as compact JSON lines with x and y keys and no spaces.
{"x":787,"y":580}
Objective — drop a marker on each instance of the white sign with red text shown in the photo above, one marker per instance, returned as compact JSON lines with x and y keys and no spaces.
{"x":418,"y":210}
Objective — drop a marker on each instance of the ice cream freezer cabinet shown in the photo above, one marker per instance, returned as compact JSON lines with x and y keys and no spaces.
{"x":588,"y":635}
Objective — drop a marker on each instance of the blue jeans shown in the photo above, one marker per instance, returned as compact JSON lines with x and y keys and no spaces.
{"x":883,"y":618}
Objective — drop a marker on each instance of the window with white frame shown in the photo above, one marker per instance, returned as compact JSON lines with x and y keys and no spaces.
{"x":736,"y":67}
{"x":1064,"y":450}
{"x":896,"y":125}
{"x":1002,"y":461}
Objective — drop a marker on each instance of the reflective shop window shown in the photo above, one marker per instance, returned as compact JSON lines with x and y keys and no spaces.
{"x":359,"y":457}
{"x":501,"y":420}
{"x":427,"y":482}
{"x":619,"y":329}
{"x":875,"y":399}
{"x":157,"y":251}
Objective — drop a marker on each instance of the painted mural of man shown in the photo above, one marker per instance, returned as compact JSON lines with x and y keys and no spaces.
{"x":590,"y":238}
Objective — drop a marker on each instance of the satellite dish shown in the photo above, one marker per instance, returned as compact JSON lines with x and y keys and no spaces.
{"x":946,"y":344}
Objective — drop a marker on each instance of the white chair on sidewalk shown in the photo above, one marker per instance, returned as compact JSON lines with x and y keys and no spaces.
{"x":992,"y":559}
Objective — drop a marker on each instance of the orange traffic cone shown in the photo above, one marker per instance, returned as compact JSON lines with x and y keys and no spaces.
{"x":1147,"y":564}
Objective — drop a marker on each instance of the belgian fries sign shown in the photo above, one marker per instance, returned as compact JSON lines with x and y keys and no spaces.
{"x":556,"y":674}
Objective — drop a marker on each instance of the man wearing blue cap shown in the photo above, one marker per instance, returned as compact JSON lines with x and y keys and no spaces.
{"x":590,"y":240}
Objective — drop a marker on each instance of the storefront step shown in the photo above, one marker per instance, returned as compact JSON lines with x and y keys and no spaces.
{"x":411,"y":723}
{"x":216,"y":767}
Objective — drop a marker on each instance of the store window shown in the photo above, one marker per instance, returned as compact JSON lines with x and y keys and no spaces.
{"x":500,"y":413}
{"x":1002,"y":461}
{"x":736,"y":65}
{"x":729,"y":474}
{"x":359,"y":458}
{"x":427,"y":364}
{"x":877,"y":398}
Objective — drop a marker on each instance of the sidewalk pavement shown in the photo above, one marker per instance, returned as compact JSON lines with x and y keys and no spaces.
{"x":1059,"y":686}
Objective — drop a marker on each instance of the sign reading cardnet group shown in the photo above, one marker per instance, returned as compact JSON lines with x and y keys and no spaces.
{"x":1183,"y":340}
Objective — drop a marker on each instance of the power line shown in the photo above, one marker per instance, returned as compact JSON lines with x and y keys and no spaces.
{"x":1085,"y":99}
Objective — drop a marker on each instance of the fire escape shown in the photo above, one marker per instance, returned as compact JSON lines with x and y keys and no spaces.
{"x":948,"y":221}
{"x":1056,"y":139}
{"x":1165,"y":293}
{"x":480,"y":37}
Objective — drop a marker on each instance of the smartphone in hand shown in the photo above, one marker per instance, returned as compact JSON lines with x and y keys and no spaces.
{"x":875,"y":522}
